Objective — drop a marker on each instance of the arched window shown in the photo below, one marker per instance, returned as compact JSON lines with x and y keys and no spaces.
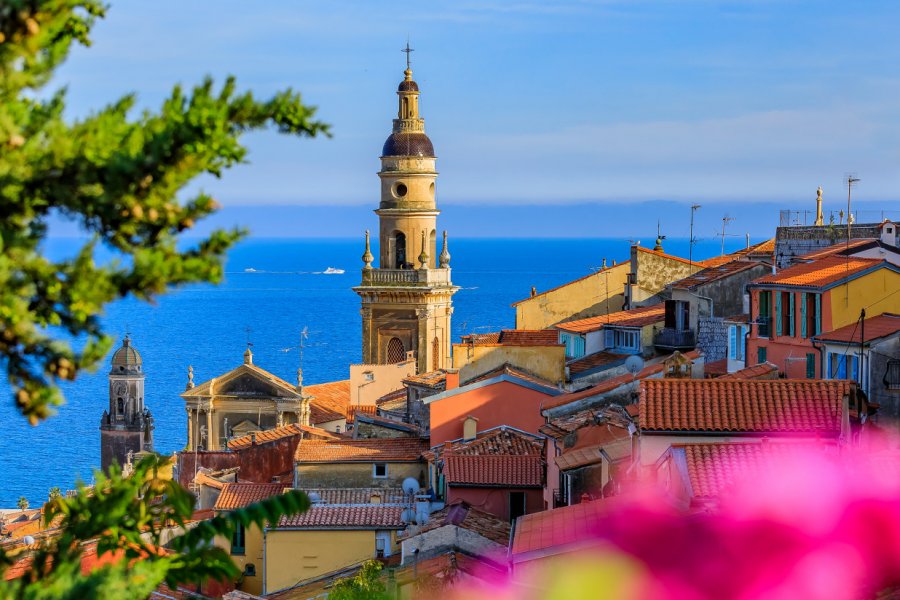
{"x":395,"y":351}
{"x":399,"y":250}
{"x":405,"y":109}
{"x":120,"y":406}
{"x":435,"y":354}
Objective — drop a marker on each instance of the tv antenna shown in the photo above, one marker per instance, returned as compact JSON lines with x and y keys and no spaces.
{"x":692,"y":240}
{"x":852,"y":180}
{"x":725,"y":221}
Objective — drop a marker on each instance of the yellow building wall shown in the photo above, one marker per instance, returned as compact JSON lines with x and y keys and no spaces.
{"x":596,"y":294}
{"x":547,"y":362}
{"x":253,"y":554}
{"x":356,"y":475}
{"x":293,"y":556}
{"x":872,"y":289}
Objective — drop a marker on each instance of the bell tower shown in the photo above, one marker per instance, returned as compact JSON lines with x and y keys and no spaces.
{"x":126,"y":427}
{"x":406,"y":299}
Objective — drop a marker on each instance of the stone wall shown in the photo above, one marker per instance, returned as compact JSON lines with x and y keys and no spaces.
{"x":712,"y":338}
{"x":878,"y":392}
{"x":449,"y":538}
{"x":791,"y":242}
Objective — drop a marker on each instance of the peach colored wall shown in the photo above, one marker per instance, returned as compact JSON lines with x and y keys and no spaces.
{"x":496,"y":500}
{"x":502,"y":403}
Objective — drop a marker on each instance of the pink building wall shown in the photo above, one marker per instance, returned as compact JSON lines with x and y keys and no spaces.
{"x":496,"y":500}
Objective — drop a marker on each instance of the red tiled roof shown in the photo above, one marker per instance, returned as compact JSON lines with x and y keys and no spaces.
{"x":712,"y":468}
{"x":494,"y":471}
{"x":271,"y":435}
{"x":744,"y":318}
{"x":875,"y":328}
{"x":368,"y":450}
{"x":239,"y":495}
{"x":372,"y":516}
{"x":595,"y":360}
{"x":635,"y":317}
{"x":368,"y":409}
{"x":431,"y":379}
{"x":464,"y":515}
{"x":764,"y":370}
{"x":329,"y":402}
{"x":760,"y":406}
{"x":591,"y":440}
{"x":715,"y":273}
{"x":501,"y":440}
{"x":514,"y":337}
{"x":820,"y":273}
{"x":765,"y":248}
{"x":561,"y":527}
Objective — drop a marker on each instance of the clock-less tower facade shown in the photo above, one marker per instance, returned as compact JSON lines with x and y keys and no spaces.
{"x":407,"y":298}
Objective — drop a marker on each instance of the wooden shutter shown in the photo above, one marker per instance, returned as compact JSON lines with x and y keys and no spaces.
{"x":803,"y":315}
{"x":792,"y":328}
{"x":778,"y":323}
{"x":810,"y":366}
{"x":818,"y":314}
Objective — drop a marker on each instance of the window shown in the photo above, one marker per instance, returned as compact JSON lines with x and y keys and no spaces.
{"x":395,"y":351}
{"x":399,"y":250}
{"x":516,"y":505}
{"x":736,"y":342}
{"x":237,"y":540}
{"x":625,"y":340}
{"x":843,"y":366}
{"x":677,"y":315}
{"x":787,"y":303}
{"x":765,"y":314}
{"x":250,"y":570}
{"x":810,"y":366}
{"x":761,"y":355}
{"x":892,"y":375}
{"x":379,"y":470}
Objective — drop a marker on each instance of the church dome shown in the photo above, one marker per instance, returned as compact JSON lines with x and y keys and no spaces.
{"x":126,"y":356}
{"x":408,"y":144}
{"x":408,"y":85}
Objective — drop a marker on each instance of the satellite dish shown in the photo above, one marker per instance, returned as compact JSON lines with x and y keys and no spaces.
{"x":28,"y":540}
{"x":421,"y":517}
{"x":314,"y":497}
{"x":410,"y":485}
{"x":408,"y":515}
{"x":634,"y":364}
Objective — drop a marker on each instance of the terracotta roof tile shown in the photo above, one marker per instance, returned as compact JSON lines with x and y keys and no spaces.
{"x":875,"y":328}
{"x":514,"y":337}
{"x":239,"y":495}
{"x":370,"y":410}
{"x":713,"y":468}
{"x":433,"y":379}
{"x":369,"y":450}
{"x":716,"y":273}
{"x":272,"y":435}
{"x":499,"y":440}
{"x":839,"y":248}
{"x":464,"y":515}
{"x":329,"y":401}
{"x":561,"y":527}
{"x":764,"y":370}
{"x":494,"y":471}
{"x":766,"y":248}
{"x":594,"y":361}
{"x":590,"y":441}
{"x":635,"y":317}
{"x":761,"y":406}
{"x":362,"y":496}
{"x":819,"y":273}
{"x":743,"y":318}
{"x":716,"y":368}
{"x":372,"y":516}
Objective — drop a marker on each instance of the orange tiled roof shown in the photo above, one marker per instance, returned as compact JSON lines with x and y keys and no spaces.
{"x":716,"y":368}
{"x":764,"y":370}
{"x":431,"y":379}
{"x":876,"y":327}
{"x":635,"y":317}
{"x":464,"y":515}
{"x":514,"y":337}
{"x":368,"y":409}
{"x":763,"y":248}
{"x":713,"y":468}
{"x":592,"y":439}
{"x":819,"y":273}
{"x":499,"y":440}
{"x":715,"y":273}
{"x":372,"y":516}
{"x":271,"y":435}
{"x":368,"y":450}
{"x":561,"y":527}
{"x":357,"y":495}
{"x":494,"y":471}
{"x":202,"y":478}
{"x":595,"y":360}
{"x":239,"y":495}
{"x":329,"y":402}
{"x":760,"y":406}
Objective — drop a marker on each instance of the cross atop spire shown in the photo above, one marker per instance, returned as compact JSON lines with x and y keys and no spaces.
{"x":407,"y":50}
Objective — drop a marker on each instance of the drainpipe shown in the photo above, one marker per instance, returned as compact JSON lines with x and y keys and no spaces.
{"x":265,"y":530}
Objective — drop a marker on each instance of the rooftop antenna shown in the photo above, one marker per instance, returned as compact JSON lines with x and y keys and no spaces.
{"x":304,"y":335}
{"x":852,"y":179}
{"x":693,"y":240}
{"x":725,"y":221}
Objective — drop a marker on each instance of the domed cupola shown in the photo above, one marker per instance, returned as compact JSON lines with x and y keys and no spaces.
{"x":126,"y":359}
{"x":408,"y":137}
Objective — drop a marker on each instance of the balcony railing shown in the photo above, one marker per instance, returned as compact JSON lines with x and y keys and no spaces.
{"x":677,"y":339}
{"x":405,"y":277}
{"x":764,"y":326}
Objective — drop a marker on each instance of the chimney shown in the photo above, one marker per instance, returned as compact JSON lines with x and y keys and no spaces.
{"x":452,"y":381}
{"x":889,"y":233}
{"x":470,"y":428}
{"x":252,"y":438}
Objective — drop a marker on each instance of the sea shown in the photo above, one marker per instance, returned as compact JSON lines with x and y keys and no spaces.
{"x":273,"y":290}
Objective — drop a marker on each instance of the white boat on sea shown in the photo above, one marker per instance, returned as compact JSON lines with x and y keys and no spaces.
{"x":332,"y":271}
{"x":249,"y":270}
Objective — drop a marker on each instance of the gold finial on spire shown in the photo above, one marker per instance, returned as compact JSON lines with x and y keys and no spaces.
{"x":423,"y":257}
{"x":367,"y":255}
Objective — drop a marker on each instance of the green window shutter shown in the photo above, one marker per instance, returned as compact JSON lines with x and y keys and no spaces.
{"x":777,"y":313}
{"x":761,"y":355}
{"x":818,"y":315}
{"x":803,"y":315}
{"x":810,"y":366}
{"x":793,"y":327}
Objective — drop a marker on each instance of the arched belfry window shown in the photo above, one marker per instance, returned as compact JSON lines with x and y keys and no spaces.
{"x":399,"y":250}
{"x":405,"y":108}
{"x":435,"y":354}
{"x":395,"y":351}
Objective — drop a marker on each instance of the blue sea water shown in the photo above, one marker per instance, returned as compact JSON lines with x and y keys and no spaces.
{"x":206,"y":326}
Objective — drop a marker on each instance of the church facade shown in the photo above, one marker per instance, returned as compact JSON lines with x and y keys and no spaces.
{"x":126,"y":427}
{"x":407,"y":299}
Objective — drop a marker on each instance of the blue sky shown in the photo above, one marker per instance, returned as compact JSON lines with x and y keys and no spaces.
{"x":723,"y":103}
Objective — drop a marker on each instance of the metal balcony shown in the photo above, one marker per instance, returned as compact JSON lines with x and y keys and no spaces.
{"x":670,"y":338}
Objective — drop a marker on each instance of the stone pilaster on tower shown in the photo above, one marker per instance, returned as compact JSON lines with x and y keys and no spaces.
{"x":406,"y":303}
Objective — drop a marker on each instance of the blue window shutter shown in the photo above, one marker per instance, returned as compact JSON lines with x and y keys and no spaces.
{"x":842,"y":367}
{"x":732,"y":350}
{"x":803,"y":315}
{"x":777,"y":313}
{"x":761,"y":354}
{"x":818,"y":315}
{"x":854,"y":368}
{"x":792,"y":327}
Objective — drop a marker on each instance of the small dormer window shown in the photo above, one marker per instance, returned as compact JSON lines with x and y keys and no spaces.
{"x":379,"y":470}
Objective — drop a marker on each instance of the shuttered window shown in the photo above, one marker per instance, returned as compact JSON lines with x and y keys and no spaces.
{"x":778,"y":323}
{"x":810,"y":366}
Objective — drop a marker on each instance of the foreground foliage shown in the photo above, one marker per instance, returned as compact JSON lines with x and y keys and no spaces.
{"x":117,"y":176}
{"x":129,"y":519}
